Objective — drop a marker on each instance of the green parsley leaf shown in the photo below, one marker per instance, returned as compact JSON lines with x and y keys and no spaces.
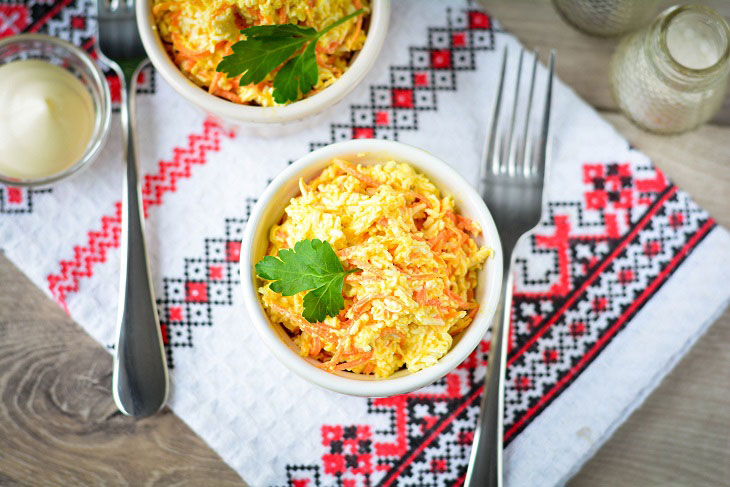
{"x":325,"y":300}
{"x":267,"y":47}
{"x":279,"y":30}
{"x":312,"y":265}
{"x":255,"y":58}
{"x":292,"y":272}
{"x":298,"y":75}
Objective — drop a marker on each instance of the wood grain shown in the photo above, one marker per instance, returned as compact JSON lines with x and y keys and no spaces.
{"x":58,"y":423}
{"x":681,"y":435}
{"x":59,"y":426}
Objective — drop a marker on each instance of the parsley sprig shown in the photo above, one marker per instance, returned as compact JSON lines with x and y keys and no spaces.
{"x":312,"y":265}
{"x":266,"y":47}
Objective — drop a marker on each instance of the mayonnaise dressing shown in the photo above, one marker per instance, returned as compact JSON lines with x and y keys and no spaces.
{"x":46,"y":119}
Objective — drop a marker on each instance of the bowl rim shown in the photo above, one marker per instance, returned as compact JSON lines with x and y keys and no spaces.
{"x":102,"y":121}
{"x":339,"y":382}
{"x":361,"y":65}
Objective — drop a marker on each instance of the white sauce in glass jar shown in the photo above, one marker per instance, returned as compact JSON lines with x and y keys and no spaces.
{"x":46,"y":119}
{"x":692,"y":46}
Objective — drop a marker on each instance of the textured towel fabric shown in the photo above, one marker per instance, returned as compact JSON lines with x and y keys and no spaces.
{"x":622,"y":276}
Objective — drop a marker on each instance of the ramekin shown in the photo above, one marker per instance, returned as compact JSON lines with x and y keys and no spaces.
{"x":245,"y":114}
{"x":269,"y":210}
{"x":78,"y":63}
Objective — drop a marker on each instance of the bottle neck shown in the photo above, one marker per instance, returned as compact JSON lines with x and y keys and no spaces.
{"x":689,"y":47}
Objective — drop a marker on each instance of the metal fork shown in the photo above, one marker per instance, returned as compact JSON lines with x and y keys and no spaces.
{"x":511,"y":183}
{"x":140,"y":381}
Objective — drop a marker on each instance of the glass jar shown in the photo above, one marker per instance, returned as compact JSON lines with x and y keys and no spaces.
{"x":78,"y":63}
{"x":607,"y":17}
{"x":672,"y":76}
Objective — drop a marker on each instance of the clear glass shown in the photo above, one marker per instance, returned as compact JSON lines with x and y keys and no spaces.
{"x":672,"y":76}
{"x":78,"y":63}
{"x":607,"y":17}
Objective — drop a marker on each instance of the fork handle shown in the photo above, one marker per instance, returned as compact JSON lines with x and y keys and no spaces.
{"x":485,"y":463}
{"x":140,"y":381}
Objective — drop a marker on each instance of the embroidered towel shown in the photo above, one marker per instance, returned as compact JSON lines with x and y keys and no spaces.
{"x":623,"y":275}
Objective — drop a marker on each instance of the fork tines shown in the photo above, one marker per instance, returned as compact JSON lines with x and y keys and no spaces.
{"x":510,"y":146}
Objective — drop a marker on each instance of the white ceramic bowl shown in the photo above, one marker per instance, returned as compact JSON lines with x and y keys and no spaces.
{"x":246,"y":114}
{"x":269,"y":210}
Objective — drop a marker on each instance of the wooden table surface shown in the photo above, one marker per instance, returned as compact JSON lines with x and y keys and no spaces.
{"x":59,"y":426}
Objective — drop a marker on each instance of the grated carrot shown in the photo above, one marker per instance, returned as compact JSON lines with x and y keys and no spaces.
{"x":358,"y":26}
{"x":416,"y":277}
{"x":473,"y":311}
{"x":468,"y":225}
{"x":460,"y":302}
{"x":330,"y":49}
{"x":229,"y":96}
{"x":319,"y":329}
{"x":214,"y":82}
{"x":419,"y":295}
{"x":157,"y":9}
{"x":316,"y":346}
{"x":355,"y":173}
{"x":358,"y":308}
{"x":255,"y":13}
{"x":462,"y":236}
{"x":419,"y":197}
{"x":334,"y":360}
{"x":366,"y":266}
{"x":177,"y":43}
{"x":354,"y":363}
{"x":320,"y":56}
{"x":463,"y":223}
{"x":437,"y":242}
{"x":263,"y":85}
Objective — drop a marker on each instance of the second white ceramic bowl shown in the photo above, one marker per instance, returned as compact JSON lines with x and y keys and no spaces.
{"x":245,"y":114}
{"x":269,"y":210}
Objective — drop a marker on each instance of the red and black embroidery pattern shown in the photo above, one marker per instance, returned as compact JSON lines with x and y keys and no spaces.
{"x":432,"y":68}
{"x":601,"y":278}
{"x":187,"y":301}
{"x":555,"y":336}
{"x":73,"y":21}
{"x":15,"y":200}
{"x":195,"y":152}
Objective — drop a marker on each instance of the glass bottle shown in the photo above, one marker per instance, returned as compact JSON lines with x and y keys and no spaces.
{"x":607,"y":17}
{"x":672,"y":76}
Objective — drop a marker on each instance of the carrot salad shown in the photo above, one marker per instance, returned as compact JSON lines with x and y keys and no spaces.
{"x":198,"y":33}
{"x":418,"y":262}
